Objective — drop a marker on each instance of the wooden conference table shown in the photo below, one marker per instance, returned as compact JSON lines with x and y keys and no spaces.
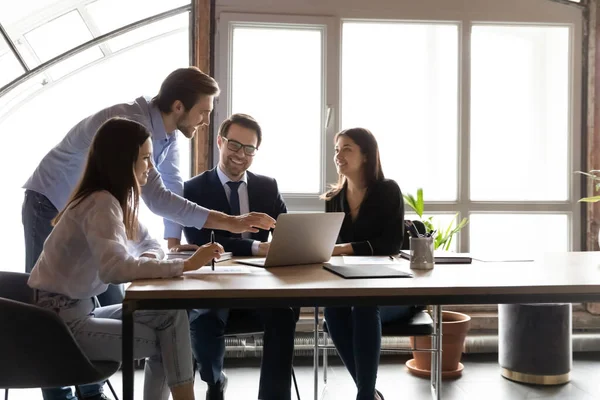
{"x":551,"y":278}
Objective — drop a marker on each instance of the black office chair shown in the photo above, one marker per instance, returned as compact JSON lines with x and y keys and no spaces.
{"x":37,"y":348}
{"x":240,"y":324}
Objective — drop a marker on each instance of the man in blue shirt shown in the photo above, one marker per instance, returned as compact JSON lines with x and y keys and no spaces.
{"x":230,"y":188}
{"x":183,"y":103}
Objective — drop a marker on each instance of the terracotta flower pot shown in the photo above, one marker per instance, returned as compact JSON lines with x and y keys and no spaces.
{"x":454,"y":330}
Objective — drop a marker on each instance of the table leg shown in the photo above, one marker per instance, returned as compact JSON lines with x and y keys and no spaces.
{"x":436,"y":356}
{"x":127,"y":365}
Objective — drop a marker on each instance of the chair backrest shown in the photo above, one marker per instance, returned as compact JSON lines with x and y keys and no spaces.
{"x":420,"y":228}
{"x":13,"y":285}
{"x":38,"y":350}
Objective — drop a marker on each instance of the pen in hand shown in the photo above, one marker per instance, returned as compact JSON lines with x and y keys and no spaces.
{"x":212,"y":240}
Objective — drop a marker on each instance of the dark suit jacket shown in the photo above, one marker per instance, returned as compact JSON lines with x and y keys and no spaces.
{"x":206,"y":190}
{"x":379,"y":226}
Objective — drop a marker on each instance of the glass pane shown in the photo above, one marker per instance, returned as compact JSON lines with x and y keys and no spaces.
{"x":502,"y":234}
{"x":75,"y":62}
{"x":400,"y":81}
{"x":520,"y":113}
{"x":59,"y":35}
{"x":109,"y":15}
{"x":16,"y":11}
{"x":180,"y":21}
{"x":131,"y":74}
{"x":284,"y":93}
{"x":10,"y":68}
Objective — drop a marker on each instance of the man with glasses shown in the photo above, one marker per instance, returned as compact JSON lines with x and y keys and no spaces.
{"x":232,"y":189}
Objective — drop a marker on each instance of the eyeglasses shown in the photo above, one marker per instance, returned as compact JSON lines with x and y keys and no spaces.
{"x":235,"y":146}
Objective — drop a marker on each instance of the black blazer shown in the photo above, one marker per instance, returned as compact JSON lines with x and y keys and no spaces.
{"x":379,"y":225}
{"x":206,"y":190}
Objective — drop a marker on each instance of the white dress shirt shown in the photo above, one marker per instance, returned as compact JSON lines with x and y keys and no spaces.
{"x":88,"y":249}
{"x":244,"y":202}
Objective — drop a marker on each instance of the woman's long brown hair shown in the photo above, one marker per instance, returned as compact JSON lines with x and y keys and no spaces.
{"x":367,"y":143}
{"x":110,"y":166}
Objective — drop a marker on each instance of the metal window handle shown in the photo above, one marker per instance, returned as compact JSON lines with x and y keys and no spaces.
{"x":328,"y":116}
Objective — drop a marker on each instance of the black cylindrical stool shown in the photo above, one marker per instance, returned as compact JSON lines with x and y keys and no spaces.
{"x":534,"y":342}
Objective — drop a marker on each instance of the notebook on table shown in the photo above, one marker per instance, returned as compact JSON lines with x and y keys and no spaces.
{"x":443,"y":257}
{"x":361,"y":271}
{"x":184,"y":255}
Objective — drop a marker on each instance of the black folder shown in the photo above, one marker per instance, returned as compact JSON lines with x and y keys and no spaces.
{"x":361,"y":271}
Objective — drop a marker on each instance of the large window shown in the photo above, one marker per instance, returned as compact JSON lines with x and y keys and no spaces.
{"x":410,"y":104}
{"x":480,"y":107}
{"x":275,"y":74}
{"x":38,"y":113}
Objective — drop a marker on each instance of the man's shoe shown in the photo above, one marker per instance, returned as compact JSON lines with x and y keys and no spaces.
{"x":99,"y":396}
{"x":217,"y":391}
{"x":378,"y":395}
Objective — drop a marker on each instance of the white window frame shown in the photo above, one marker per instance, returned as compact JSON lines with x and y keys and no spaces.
{"x":537,"y":13}
{"x":226,"y":22}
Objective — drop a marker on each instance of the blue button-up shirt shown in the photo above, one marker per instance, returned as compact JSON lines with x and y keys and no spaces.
{"x":59,"y":171}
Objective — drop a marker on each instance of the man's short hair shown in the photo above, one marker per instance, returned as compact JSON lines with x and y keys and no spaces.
{"x":243,"y":120}
{"x":187,"y":85}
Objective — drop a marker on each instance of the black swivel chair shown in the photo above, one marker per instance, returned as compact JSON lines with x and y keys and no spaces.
{"x":36,"y":347}
{"x":420,"y":324}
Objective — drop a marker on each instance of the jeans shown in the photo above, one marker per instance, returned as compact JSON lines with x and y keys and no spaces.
{"x":207,"y":328}
{"x":356,"y":334}
{"x":37,"y":214}
{"x":162,"y":337}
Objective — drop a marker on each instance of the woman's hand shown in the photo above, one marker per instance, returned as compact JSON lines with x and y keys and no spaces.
{"x":202,"y":256}
{"x":184,"y":247}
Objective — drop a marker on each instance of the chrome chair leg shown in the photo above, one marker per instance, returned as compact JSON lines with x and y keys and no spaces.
{"x":316,"y":356}
{"x":325,"y":357}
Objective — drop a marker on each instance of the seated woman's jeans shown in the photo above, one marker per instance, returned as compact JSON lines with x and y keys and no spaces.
{"x":356,"y":334}
{"x":161,"y":337}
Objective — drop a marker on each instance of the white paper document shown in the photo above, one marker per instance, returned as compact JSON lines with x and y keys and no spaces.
{"x":229,"y":270}
{"x":372,"y":260}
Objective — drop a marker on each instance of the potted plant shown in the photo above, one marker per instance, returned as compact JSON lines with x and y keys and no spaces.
{"x":454,"y":325}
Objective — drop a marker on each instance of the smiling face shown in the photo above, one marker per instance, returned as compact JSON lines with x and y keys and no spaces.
{"x":188,"y":122}
{"x":349,"y":159}
{"x":144,"y":164}
{"x":235,"y":163}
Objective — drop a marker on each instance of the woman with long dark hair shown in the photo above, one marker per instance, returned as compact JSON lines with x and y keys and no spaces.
{"x":98,"y":240}
{"x":373,"y":225}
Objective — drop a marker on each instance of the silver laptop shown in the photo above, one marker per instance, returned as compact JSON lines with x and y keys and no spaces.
{"x":301,"y":239}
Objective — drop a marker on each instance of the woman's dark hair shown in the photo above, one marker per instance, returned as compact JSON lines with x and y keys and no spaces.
{"x":372,"y":170}
{"x":110,"y":166}
{"x":187,"y":85}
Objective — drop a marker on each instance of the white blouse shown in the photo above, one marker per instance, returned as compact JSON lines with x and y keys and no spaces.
{"x":88,"y":249}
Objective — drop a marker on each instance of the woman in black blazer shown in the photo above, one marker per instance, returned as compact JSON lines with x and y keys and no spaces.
{"x":373,"y":225}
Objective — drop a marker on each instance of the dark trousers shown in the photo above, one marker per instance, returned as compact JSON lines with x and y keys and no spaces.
{"x":356,"y":334}
{"x":208,"y":327}
{"x":37,"y":214}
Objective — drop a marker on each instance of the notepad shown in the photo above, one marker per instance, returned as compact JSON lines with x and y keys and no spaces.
{"x":234,"y":270}
{"x":443,"y":257}
{"x":184,"y":255}
{"x":361,"y":271}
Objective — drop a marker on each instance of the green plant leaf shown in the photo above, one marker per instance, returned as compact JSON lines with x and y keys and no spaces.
{"x":411,"y":201}
{"x":592,"y":199}
{"x":420,"y":203}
